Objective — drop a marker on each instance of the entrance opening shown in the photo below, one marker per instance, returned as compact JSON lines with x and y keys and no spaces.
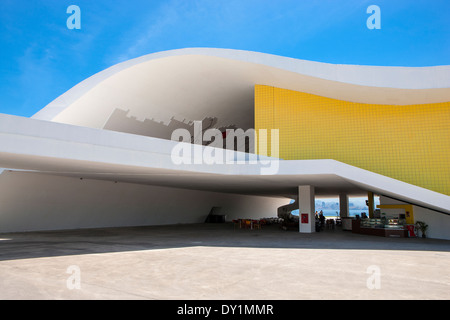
{"x":331,"y":210}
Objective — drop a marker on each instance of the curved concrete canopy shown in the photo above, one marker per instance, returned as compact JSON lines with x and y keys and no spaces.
{"x":192,"y":84}
{"x":67,"y":150}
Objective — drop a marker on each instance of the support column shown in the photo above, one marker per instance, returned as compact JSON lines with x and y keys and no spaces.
{"x":371,"y":204}
{"x":306,"y":206}
{"x":343,"y":205}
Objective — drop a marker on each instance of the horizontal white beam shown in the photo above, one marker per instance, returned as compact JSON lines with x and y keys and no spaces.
{"x":30,"y":144}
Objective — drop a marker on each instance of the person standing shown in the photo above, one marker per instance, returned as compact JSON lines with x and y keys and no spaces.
{"x":322,"y":219}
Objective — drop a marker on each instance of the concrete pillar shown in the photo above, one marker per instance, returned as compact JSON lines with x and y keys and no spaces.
{"x":371,"y":204}
{"x":343,"y":205}
{"x":306,"y":206}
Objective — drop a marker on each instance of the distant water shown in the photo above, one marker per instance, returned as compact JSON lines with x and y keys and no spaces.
{"x":332,"y":213}
{"x":352,"y":213}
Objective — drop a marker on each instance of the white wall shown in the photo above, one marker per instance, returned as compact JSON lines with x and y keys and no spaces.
{"x":439,"y":223}
{"x":32,"y":201}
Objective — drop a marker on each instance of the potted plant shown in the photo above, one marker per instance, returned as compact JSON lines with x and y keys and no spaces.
{"x":423,"y":227}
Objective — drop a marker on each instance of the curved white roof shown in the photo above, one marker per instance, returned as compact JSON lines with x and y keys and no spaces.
{"x":191,"y":84}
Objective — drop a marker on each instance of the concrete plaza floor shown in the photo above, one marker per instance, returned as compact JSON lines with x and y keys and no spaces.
{"x":216,"y":261}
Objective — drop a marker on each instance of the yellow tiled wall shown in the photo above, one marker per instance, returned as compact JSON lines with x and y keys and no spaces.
{"x":408,"y":143}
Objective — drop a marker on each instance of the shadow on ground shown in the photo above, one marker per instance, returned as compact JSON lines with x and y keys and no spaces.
{"x":15,"y":246}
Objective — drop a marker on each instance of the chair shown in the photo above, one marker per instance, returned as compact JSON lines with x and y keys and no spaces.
{"x":330,"y":224}
{"x":256,"y":224}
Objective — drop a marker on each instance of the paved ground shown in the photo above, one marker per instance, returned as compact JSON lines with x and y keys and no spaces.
{"x":215,"y":261}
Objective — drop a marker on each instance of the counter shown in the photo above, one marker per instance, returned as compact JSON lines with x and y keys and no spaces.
{"x":379,"y":230}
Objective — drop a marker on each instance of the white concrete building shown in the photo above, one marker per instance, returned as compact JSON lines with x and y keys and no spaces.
{"x":100,"y":155}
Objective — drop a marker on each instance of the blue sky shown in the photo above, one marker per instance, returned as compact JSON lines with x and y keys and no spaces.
{"x":40,"y":58}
